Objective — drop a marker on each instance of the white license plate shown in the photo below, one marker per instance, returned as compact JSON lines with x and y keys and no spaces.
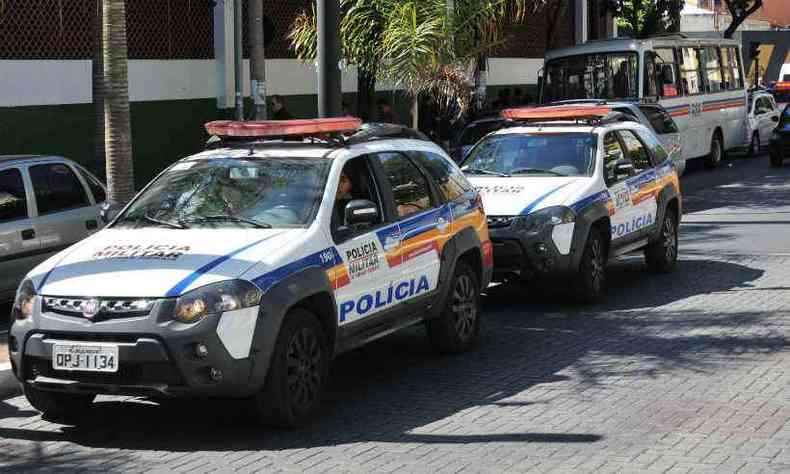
{"x":88,"y":357}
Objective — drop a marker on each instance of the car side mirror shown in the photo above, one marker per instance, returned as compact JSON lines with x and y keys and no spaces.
{"x":361,"y":212}
{"x":109,"y":211}
{"x":623,"y":167}
{"x":775,"y":119}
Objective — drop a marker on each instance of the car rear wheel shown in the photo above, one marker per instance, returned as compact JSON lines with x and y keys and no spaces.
{"x":754,"y":146}
{"x":58,"y":406}
{"x":298,"y":373}
{"x":589,"y":285}
{"x":716,"y":152}
{"x":458,"y":327}
{"x":661,"y":256}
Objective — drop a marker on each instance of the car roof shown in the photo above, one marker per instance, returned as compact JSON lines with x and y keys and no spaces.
{"x":22,"y":158}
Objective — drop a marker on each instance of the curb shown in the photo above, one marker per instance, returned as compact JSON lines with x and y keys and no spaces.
{"x":9,"y":386}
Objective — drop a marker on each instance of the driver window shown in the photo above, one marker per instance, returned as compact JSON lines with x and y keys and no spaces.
{"x":613,"y":154}
{"x":409,"y":187}
{"x":356,"y":182}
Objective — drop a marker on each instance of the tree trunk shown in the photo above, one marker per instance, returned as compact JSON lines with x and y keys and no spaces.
{"x":366,"y":96}
{"x":97,"y":73}
{"x":257,"y":59}
{"x":117,"y":127}
{"x":738,"y":19}
{"x":415,"y":113}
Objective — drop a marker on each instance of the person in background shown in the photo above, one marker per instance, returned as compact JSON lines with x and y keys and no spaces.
{"x":386,"y":114}
{"x":279,"y":111}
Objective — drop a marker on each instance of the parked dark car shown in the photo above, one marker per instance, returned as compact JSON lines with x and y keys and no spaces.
{"x":472,"y":134}
{"x":780,"y":139}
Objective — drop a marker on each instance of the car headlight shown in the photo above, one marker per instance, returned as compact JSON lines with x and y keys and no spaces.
{"x":216,"y":298}
{"x":538,"y":221}
{"x":24,"y":301}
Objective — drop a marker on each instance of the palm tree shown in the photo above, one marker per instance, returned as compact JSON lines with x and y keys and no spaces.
{"x":115,"y":87}
{"x":427,"y":47}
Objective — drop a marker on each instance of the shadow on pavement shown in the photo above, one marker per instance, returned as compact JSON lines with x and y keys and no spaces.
{"x":398,"y":390}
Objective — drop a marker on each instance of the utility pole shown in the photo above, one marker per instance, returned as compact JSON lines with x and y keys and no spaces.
{"x":238,"y":59}
{"x":257,"y":59}
{"x":330,"y":95}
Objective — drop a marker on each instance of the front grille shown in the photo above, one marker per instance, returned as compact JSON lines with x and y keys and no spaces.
{"x":128,"y":373}
{"x":495,"y":222}
{"x":93,"y":337}
{"x":98,"y":309}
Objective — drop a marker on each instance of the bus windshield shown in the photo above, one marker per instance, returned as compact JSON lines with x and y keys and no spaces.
{"x":592,"y":76}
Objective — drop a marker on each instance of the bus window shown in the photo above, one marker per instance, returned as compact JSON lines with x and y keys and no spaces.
{"x":592,"y":76}
{"x":689,"y":72}
{"x":661,"y":122}
{"x":731,"y":64}
{"x":651,"y":86}
{"x":667,"y":72}
{"x":711,"y":69}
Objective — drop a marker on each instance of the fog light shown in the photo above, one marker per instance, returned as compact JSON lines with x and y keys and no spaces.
{"x":541,"y":248}
{"x":215,"y":374}
{"x":201,"y":351}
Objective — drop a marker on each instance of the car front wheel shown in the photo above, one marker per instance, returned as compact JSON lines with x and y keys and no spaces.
{"x":755,"y":146}
{"x":716,"y":152}
{"x":458,"y":327}
{"x":662,"y":255}
{"x":590,"y":282}
{"x":298,"y":373}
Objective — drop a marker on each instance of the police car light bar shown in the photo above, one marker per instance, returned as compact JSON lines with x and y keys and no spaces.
{"x":283,"y":128}
{"x":561,"y":112}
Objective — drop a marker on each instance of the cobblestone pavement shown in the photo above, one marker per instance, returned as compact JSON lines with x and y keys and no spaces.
{"x":685,"y":372}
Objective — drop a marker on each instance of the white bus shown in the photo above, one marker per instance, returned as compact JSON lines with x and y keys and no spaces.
{"x":698,"y":81}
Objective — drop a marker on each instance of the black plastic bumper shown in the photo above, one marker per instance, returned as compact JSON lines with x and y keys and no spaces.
{"x":159,"y":359}
{"x":527,"y":256}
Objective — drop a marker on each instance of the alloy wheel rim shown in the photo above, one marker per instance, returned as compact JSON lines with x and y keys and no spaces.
{"x":463,"y":307}
{"x":596,"y":266}
{"x":304,"y":362}
{"x":670,"y":239}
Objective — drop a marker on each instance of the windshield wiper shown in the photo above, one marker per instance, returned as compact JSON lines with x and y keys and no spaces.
{"x":154,"y":220}
{"x":482,"y":171}
{"x":231,"y":218}
{"x":535,"y":170}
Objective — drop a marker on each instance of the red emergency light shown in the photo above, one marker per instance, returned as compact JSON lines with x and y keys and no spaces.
{"x":561,"y":112}
{"x":283,"y":128}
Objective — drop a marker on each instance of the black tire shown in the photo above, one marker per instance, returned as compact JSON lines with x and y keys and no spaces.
{"x":589,"y":285}
{"x":458,"y":327}
{"x":713,"y":159}
{"x":755,"y":146}
{"x":298,"y":373}
{"x":776,"y":159}
{"x":59,"y":406}
{"x":661,"y":256}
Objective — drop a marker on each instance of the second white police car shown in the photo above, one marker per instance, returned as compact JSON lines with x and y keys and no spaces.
{"x":568,"y":187}
{"x":243,"y":270}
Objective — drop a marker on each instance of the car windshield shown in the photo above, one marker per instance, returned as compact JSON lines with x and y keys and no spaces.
{"x":540,"y":154}
{"x":232,"y":192}
{"x":592,"y":76}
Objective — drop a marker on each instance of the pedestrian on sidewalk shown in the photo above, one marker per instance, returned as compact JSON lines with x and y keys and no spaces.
{"x":279,"y":109}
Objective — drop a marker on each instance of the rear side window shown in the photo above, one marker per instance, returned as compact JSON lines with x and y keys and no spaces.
{"x":636,"y":151}
{"x":659,"y":119}
{"x":659,"y":153}
{"x":13,"y":199}
{"x":449,"y":179}
{"x":96,"y":189}
{"x":409,"y":187}
{"x":57,"y":188}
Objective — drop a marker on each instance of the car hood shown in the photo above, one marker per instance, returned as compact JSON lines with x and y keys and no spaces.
{"x":155,"y":262}
{"x":523,"y":195}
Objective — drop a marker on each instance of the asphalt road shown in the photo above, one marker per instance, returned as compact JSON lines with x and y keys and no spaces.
{"x":684,"y":372}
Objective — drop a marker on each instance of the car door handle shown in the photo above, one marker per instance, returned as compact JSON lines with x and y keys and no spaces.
{"x":91,"y":224}
{"x":28,"y":234}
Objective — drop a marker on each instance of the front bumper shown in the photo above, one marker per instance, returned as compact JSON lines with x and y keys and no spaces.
{"x":524,"y":255}
{"x":156,"y":355}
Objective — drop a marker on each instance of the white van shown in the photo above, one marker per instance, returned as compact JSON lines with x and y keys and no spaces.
{"x":699,"y":81}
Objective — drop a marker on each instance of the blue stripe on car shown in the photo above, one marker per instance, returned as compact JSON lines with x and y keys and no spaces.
{"x":578,"y":206}
{"x":540,"y":199}
{"x":183,"y":284}
{"x":324,"y":259}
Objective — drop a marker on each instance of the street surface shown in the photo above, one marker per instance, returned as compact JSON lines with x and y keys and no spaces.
{"x":686,"y":372}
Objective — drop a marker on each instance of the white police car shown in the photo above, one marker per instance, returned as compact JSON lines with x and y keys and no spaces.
{"x":568,"y":187}
{"x":243,"y":270}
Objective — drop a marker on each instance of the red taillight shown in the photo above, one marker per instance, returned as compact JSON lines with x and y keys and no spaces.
{"x":282,"y":128}
{"x":488,"y":254}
